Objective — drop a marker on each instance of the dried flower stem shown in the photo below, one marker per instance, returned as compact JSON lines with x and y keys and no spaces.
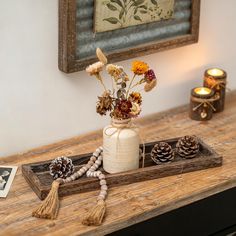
{"x":141,"y":90}
{"x":113,"y":85}
{"x":128,"y":90}
{"x":98,"y":76}
{"x":137,"y":84}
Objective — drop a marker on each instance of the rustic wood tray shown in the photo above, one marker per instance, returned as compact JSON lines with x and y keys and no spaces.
{"x":39,"y":179}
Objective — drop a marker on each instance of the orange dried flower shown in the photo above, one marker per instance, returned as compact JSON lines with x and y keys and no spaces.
{"x":135,"y":97}
{"x":139,"y":67}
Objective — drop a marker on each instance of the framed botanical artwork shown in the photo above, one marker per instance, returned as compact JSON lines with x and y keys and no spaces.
{"x":123,"y":29}
{"x":118,"y":14}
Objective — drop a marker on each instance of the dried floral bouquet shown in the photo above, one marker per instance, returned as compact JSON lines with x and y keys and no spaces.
{"x":123,"y":104}
{"x":121,"y":101}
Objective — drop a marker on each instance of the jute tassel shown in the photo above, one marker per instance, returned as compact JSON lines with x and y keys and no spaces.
{"x":50,"y":206}
{"x":95,"y":215}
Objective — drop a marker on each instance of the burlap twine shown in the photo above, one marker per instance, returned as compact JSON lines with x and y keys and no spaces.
{"x":217,"y":83}
{"x":205,"y":102}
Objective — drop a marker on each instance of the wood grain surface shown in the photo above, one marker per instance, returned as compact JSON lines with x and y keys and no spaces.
{"x":128,"y":204}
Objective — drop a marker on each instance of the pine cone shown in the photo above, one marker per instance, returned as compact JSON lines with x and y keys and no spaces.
{"x":61,"y":167}
{"x":187,"y":147}
{"x":162,"y":152}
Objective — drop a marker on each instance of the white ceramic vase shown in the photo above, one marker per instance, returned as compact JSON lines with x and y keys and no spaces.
{"x":120,"y":146}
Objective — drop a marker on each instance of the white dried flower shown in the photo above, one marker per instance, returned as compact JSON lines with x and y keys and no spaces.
{"x":101,"y":56}
{"x":117,"y":72}
{"x":95,"y":68}
{"x":135,"y":109}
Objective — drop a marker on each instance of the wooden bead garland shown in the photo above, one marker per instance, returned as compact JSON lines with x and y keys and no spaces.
{"x":50,"y":206}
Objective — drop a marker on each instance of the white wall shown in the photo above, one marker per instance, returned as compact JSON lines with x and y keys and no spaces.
{"x":39,"y":104}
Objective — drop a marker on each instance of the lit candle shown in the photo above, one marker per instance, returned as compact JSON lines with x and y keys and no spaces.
{"x":202,"y":91}
{"x":201,"y":107}
{"x":215,"y":72}
{"x":215,"y":79}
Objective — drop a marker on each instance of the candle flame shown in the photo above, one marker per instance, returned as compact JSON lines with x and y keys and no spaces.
{"x":215,"y":72}
{"x":202,"y":91}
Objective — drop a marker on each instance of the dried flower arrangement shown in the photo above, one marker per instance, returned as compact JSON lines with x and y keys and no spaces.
{"x":121,"y":101}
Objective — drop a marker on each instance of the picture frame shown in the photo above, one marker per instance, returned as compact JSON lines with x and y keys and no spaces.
{"x":7,"y":174}
{"x":77,"y":44}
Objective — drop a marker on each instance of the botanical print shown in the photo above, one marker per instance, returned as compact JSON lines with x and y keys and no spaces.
{"x":116,"y":14}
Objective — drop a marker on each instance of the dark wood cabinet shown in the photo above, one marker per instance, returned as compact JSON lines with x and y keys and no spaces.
{"x":215,"y":215}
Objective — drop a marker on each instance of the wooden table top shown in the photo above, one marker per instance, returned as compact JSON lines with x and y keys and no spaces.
{"x":128,"y":204}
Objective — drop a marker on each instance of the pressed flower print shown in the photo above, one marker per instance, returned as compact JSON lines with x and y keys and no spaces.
{"x":116,"y":14}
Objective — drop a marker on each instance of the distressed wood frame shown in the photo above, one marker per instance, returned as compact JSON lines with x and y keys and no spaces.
{"x":68,"y":62}
{"x":39,"y":179}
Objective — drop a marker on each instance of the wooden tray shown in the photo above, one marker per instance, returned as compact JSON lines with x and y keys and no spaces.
{"x":39,"y":179}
